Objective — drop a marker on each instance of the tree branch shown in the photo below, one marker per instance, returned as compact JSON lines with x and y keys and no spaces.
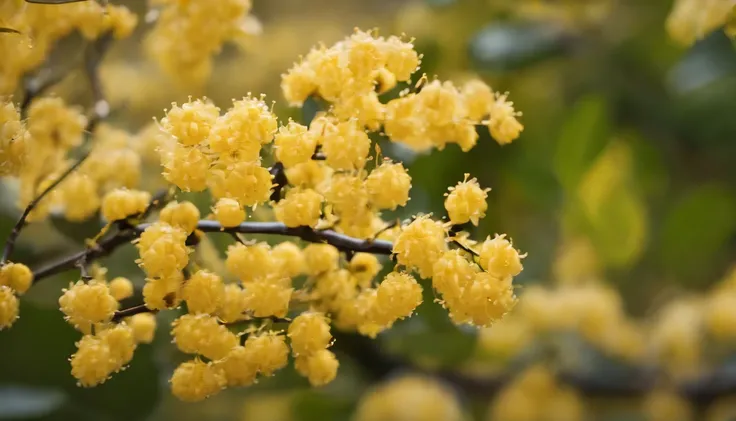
{"x":131,"y":311}
{"x":340,"y":241}
{"x":101,"y":249}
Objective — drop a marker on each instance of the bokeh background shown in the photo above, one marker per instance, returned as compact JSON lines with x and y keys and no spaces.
{"x":625,"y":172}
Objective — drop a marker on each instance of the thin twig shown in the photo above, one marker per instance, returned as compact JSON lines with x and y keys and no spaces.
{"x":10,"y":242}
{"x":131,"y":311}
{"x":102,"y":249}
{"x":464,"y":247}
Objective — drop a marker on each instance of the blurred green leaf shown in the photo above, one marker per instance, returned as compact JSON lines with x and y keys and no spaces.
{"x":618,"y":231}
{"x":512,"y":46}
{"x":77,"y":231}
{"x":696,"y":228}
{"x":613,"y":212}
{"x":650,"y":171}
{"x":314,"y":405}
{"x":583,"y":136}
{"x":439,"y":3}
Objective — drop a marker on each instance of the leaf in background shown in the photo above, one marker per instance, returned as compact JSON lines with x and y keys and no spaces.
{"x":696,"y":228}
{"x":619,"y":230}
{"x":36,"y":350}
{"x":314,"y":405}
{"x":615,"y":213}
{"x":584,"y":134}
{"x":439,"y":3}
{"x":512,"y":46}
{"x":77,"y":231}
{"x":649,"y":167}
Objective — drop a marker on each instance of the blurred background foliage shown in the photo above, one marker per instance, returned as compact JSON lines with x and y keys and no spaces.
{"x":628,"y":155}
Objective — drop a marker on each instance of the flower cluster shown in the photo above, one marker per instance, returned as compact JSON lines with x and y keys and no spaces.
{"x":15,"y":279}
{"x":388,"y":401}
{"x":13,"y":140}
{"x":39,"y":27}
{"x":243,"y":317}
{"x":177,"y":42}
{"x":106,"y":347}
{"x":692,"y":20}
{"x":53,"y":130}
{"x":535,"y":394}
{"x":353,"y":73}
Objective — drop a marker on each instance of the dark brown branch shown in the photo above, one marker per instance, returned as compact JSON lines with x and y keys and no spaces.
{"x":124,"y":236}
{"x":131,"y":311}
{"x":340,"y":241}
{"x":102,"y":249}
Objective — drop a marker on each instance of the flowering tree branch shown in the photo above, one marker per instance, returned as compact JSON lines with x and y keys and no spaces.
{"x":93,"y":56}
{"x":126,"y":235}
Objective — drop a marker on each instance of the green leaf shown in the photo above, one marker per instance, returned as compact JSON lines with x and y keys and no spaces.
{"x":77,"y":231}
{"x":613,"y":210}
{"x":314,"y":405}
{"x":512,"y":46}
{"x":583,"y":136}
{"x":619,"y":230}
{"x":696,"y":229}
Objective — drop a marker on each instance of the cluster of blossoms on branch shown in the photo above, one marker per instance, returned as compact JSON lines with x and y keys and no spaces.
{"x":267,"y":300}
{"x":37,"y":27}
{"x":692,"y":20}
{"x":176,"y":41}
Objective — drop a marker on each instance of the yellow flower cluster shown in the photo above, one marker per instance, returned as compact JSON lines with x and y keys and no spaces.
{"x":106,"y":347}
{"x":13,"y":140}
{"x":593,"y":310}
{"x":98,"y":356}
{"x":475,"y":287}
{"x":15,"y":279}
{"x":466,"y":202}
{"x":310,"y":337}
{"x":187,"y":34}
{"x":354,"y":72}
{"x":692,"y":20}
{"x":52,"y":131}
{"x":201,"y":333}
{"x":388,"y":401}
{"x":535,"y":395}
{"x":325,"y":188}
{"x":163,"y":255}
{"x":666,"y":405}
{"x":40,"y":27}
